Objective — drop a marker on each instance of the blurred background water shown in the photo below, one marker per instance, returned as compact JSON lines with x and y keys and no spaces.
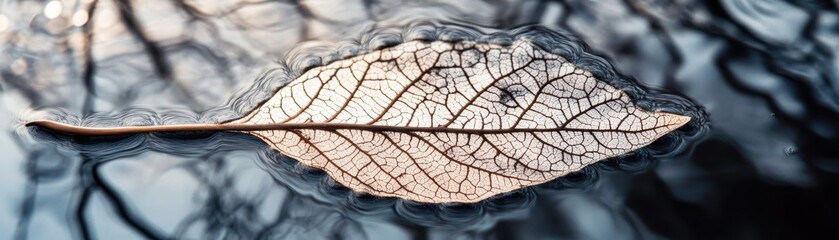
{"x":765,"y":71}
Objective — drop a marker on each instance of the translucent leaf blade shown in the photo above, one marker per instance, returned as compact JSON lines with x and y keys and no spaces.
{"x":453,"y":122}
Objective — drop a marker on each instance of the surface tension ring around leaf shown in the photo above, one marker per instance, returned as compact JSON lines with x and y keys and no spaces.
{"x":440,"y":121}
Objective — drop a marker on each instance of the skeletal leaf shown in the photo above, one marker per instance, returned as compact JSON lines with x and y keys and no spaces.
{"x":442,"y":122}
{"x":452,"y":122}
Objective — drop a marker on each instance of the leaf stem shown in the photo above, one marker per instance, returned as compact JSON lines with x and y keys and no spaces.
{"x":104,"y":131}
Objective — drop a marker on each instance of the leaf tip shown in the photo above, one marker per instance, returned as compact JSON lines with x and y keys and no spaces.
{"x":677,"y":120}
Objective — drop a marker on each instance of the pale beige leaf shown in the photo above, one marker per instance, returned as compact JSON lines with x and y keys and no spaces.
{"x":453,"y":122}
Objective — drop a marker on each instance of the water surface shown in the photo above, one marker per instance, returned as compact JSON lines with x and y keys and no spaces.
{"x":762,"y":166}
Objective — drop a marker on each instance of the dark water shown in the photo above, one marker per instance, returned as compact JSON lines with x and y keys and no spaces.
{"x":761,"y":164}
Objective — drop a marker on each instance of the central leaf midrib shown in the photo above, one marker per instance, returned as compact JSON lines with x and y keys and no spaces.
{"x":386,"y":128}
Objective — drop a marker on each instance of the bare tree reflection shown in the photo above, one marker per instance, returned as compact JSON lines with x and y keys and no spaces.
{"x":777,"y":83}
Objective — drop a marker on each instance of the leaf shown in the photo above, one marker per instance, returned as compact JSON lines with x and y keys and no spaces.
{"x":443,"y":122}
{"x":452,"y":122}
